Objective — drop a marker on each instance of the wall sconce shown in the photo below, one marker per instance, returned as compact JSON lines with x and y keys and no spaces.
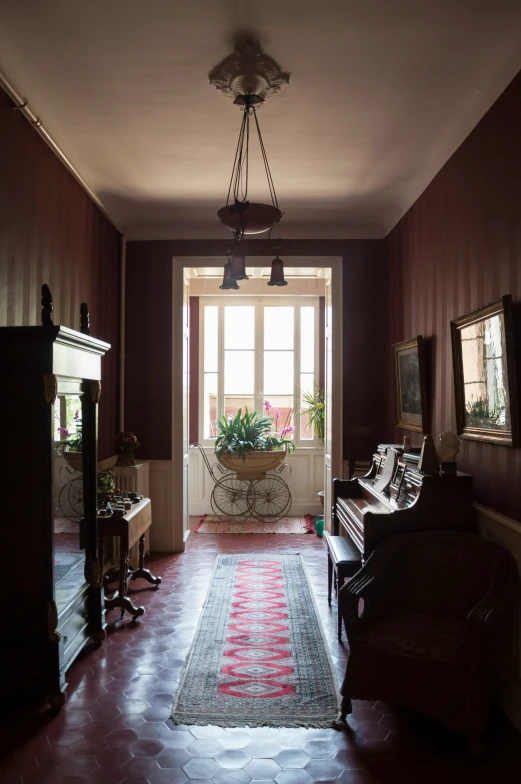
{"x":228,"y":282}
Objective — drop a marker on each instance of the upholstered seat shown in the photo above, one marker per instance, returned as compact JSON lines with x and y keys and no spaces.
{"x":421,"y":636}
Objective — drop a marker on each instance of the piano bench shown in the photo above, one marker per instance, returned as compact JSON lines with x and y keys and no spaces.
{"x":343,"y":560}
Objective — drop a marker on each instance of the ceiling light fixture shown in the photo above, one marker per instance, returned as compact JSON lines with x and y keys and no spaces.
{"x":228,"y":282}
{"x":238,"y":267}
{"x":277,"y":271}
{"x":250,"y":77}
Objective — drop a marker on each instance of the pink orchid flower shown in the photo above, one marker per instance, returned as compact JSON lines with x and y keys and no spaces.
{"x":276,"y":413}
{"x":267,"y":405}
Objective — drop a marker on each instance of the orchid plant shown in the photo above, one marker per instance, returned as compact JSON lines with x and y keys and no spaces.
{"x":73,"y":440}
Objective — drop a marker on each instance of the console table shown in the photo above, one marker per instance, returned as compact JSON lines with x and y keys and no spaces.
{"x":130,"y":528}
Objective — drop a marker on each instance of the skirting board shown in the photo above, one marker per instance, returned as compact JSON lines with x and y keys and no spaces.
{"x":507,"y":532}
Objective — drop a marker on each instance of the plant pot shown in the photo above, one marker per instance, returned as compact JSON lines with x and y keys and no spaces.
{"x":255,"y":465}
{"x":74,"y":460}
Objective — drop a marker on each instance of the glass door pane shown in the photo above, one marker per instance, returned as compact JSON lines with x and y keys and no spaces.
{"x":239,"y":359}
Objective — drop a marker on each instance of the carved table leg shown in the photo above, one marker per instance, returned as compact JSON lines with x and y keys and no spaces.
{"x":125,"y":604}
{"x":146,"y":574}
{"x":120,"y":598}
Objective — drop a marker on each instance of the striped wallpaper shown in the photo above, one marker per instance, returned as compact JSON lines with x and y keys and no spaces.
{"x":457,"y":248}
{"x":51,"y":232}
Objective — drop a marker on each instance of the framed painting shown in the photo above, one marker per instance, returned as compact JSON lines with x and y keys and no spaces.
{"x":484,"y":374}
{"x":409,"y":373}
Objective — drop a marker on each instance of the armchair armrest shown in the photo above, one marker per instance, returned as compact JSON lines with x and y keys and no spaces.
{"x":371,"y":584}
{"x":488,"y":611}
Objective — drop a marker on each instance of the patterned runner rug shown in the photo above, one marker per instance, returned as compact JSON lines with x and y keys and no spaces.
{"x":65,"y":563}
{"x":209,"y":524}
{"x":259,"y":657}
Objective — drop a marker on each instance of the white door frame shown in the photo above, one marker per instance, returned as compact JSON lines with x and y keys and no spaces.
{"x":177,"y":521}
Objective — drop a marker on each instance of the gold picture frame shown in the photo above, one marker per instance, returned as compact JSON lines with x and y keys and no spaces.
{"x":409,"y":373}
{"x":485,"y":374}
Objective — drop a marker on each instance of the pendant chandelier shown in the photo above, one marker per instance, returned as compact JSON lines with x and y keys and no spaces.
{"x":251,"y":78}
{"x":240,"y":215}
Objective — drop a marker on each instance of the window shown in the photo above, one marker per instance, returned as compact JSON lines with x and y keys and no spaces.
{"x":255,"y":351}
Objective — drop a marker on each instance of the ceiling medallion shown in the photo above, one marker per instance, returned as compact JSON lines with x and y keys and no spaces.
{"x":250,"y":77}
{"x":248,"y":71}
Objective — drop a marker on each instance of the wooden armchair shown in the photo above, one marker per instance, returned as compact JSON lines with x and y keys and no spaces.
{"x":431,"y":602}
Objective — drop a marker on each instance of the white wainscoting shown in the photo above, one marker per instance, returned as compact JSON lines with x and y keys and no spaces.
{"x":507,"y":532}
{"x":307,"y":478}
{"x":163,"y":531}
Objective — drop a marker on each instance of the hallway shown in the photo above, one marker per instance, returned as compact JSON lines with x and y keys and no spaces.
{"x":115,"y":726}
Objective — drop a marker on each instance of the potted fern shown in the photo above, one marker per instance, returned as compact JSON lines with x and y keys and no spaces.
{"x":247,"y":445}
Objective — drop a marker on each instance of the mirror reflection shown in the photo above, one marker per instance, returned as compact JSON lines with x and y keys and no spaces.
{"x":69,"y":556}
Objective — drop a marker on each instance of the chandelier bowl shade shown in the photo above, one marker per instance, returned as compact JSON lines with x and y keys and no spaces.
{"x":249,"y":217}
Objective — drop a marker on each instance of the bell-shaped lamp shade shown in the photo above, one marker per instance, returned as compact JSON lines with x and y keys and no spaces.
{"x":277,"y":273}
{"x":238,"y":268}
{"x":228,"y":283}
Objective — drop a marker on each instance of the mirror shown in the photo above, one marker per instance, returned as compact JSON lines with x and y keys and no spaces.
{"x":69,"y":556}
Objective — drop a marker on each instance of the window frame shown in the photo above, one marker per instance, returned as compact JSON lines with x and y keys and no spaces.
{"x":258,"y":395}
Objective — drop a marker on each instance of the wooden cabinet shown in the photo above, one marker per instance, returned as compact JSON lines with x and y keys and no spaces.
{"x":52,"y":599}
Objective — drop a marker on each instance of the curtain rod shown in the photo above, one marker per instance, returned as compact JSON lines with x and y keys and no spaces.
{"x":22,"y":105}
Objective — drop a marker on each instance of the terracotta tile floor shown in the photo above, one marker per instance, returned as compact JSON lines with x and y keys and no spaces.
{"x":115,"y":726}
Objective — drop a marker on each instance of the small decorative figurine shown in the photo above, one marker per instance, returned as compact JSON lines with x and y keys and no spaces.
{"x":428,"y":458}
{"x":406,"y":443}
{"x":449,"y":444}
{"x":126,"y":445}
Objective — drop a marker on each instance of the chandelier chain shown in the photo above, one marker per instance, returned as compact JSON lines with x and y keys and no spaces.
{"x":271,"y":184}
{"x":238,"y":187}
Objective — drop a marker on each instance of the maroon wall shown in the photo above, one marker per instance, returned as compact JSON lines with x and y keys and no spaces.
{"x":51,"y":232}
{"x":149,"y":292}
{"x":459,"y":247}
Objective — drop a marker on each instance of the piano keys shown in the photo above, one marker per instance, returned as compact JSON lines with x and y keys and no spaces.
{"x":409,"y":501}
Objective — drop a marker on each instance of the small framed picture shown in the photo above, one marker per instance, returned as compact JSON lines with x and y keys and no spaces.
{"x":409,"y":370}
{"x":485,"y":374}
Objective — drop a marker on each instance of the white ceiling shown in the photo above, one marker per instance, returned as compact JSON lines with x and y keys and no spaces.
{"x":382,"y":92}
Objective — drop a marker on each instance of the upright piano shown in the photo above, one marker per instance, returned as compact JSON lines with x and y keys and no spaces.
{"x":395,"y":497}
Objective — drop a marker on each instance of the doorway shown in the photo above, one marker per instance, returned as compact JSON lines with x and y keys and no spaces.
{"x":187,"y":269}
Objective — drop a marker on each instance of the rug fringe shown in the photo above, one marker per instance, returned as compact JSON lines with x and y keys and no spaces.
{"x":200,"y":721}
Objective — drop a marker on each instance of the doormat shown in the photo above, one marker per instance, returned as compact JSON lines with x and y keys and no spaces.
{"x":65,"y":563}
{"x":62,"y":525}
{"x":259,"y":657}
{"x":210,"y":524}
